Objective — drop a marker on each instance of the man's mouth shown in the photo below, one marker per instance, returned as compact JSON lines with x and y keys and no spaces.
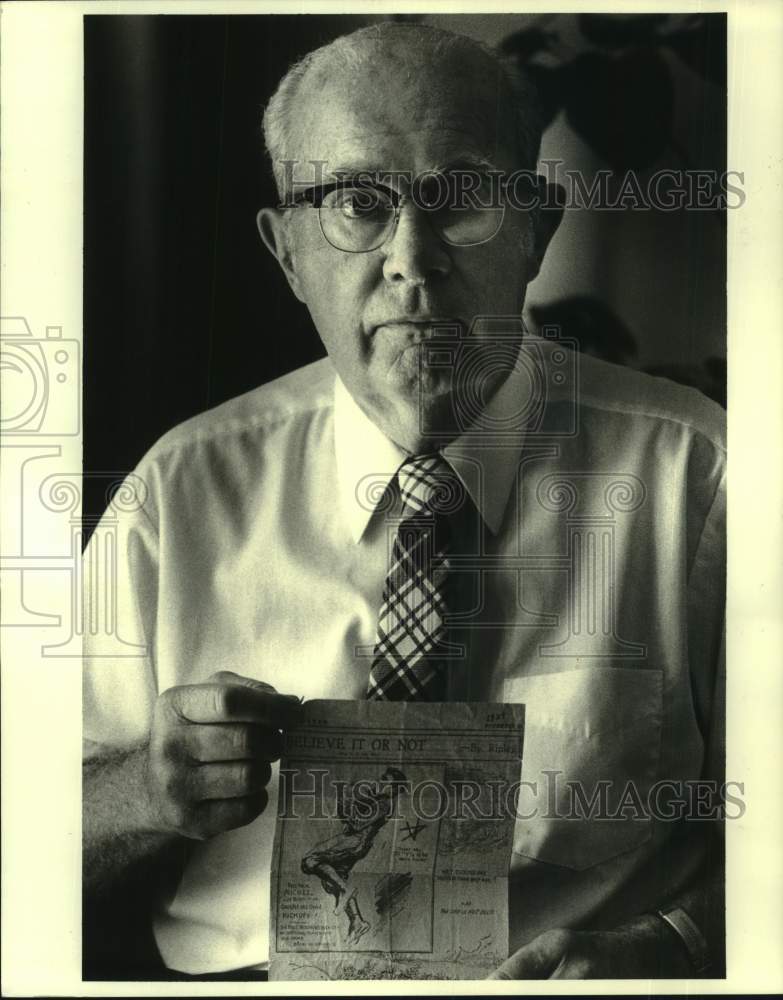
{"x":420,"y":328}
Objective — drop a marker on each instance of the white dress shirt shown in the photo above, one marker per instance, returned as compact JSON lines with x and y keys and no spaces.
{"x":598,"y":569}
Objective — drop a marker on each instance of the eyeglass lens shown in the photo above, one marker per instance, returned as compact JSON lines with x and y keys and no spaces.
{"x":361,"y":218}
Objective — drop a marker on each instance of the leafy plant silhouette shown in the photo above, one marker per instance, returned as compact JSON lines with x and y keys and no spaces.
{"x":619,"y":94}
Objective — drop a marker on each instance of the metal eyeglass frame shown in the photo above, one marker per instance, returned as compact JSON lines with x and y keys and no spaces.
{"x":314,"y":196}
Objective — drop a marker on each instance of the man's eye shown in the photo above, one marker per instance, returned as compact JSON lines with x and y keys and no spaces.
{"x":460,"y":191}
{"x":361,"y":203}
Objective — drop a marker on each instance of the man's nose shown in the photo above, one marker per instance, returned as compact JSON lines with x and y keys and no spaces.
{"x":414,"y":253}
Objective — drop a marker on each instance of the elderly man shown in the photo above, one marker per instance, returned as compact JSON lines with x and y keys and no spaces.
{"x":590,"y":537}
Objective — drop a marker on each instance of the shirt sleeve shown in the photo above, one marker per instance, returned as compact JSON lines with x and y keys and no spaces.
{"x":120,"y":588}
{"x":706,"y":630}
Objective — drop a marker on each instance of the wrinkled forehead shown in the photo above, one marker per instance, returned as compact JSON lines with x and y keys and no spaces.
{"x":402,"y":113}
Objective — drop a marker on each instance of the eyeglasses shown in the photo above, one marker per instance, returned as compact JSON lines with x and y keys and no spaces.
{"x":357,"y":217}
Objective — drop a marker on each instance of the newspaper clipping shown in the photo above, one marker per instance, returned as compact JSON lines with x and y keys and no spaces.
{"x":393,"y":841}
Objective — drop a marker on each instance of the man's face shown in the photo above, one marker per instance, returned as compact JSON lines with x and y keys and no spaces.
{"x":375,"y":310}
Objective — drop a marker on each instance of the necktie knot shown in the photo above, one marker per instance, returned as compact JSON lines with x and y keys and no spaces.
{"x":429,"y":486}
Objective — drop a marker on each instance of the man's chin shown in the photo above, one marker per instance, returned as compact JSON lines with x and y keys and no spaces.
{"x":418,"y":387}
{"x":409,"y":374}
{"x":442,"y":411}
{"x":418,"y":408}
{"x":430,"y":417}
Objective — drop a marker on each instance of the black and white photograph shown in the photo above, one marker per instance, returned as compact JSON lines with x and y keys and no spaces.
{"x":365,"y":508}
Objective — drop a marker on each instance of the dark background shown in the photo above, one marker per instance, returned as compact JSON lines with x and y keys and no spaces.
{"x":183,"y":306}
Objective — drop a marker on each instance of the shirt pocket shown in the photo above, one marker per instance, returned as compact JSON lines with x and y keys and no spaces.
{"x":593,"y":731}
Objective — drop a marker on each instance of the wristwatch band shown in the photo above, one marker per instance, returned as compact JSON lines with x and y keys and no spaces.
{"x":690,"y":935}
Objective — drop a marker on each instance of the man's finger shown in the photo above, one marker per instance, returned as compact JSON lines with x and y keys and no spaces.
{"x":217,"y":815}
{"x":229,"y":677}
{"x":536,"y":960}
{"x":231,"y":741}
{"x":228,"y":779}
{"x":215,"y":702}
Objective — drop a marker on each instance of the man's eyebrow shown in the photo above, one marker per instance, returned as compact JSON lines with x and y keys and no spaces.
{"x":365,"y":170}
{"x":461,"y":162}
{"x":464,"y":163}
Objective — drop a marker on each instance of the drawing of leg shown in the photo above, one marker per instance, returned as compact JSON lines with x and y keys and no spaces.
{"x":357,"y":925}
{"x":333,"y":883}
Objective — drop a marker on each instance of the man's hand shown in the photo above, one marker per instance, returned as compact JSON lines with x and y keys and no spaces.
{"x":644,"y":949}
{"x":210,"y":750}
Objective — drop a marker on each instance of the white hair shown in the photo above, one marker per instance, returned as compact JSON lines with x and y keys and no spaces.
{"x":353,"y":51}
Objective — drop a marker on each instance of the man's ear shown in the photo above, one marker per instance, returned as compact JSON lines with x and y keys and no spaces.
{"x":274,"y":229}
{"x":547,"y":216}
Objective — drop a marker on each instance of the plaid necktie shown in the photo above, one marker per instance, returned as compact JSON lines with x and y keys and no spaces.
{"x":410,"y":623}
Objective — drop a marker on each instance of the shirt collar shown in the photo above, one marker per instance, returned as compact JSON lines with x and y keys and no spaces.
{"x":486,"y":455}
{"x":486,"y":463}
{"x":367,"y":460}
